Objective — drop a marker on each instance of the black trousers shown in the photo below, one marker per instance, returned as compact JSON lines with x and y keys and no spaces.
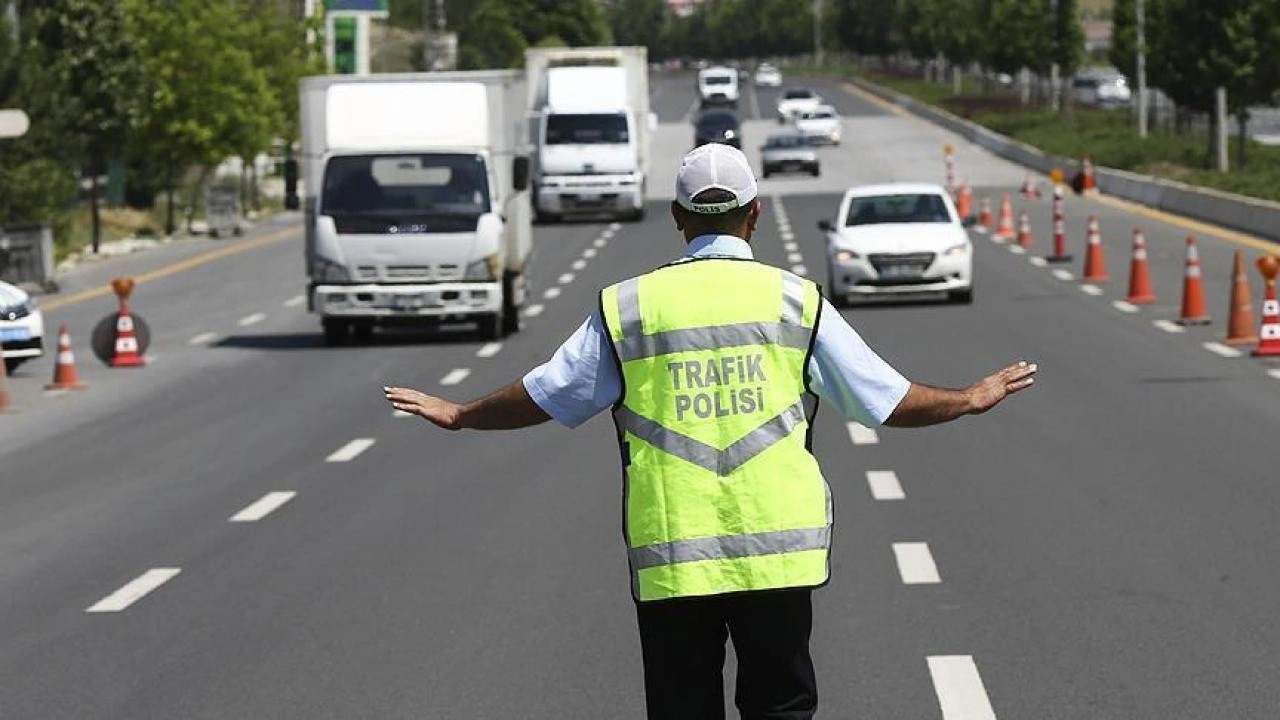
{"x":683,"y":646}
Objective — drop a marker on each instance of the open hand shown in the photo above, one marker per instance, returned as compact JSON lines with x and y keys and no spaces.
{"x":989,"y":391}
{"x":436,"y":410}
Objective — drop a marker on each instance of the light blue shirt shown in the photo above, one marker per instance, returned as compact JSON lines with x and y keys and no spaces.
{"x":581,"y":379}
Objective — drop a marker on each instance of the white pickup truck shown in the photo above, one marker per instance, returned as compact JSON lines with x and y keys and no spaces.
{"x":416,"y":202}
{"x":590,"y":123}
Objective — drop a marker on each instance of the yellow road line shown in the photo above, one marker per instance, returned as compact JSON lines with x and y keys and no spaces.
{"x":175,"y":268}
{"x":876,"y":100}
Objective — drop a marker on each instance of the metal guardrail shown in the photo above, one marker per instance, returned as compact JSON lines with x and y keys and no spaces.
{"x":26,"y":255}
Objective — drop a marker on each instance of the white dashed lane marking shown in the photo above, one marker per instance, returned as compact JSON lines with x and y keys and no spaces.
{"x":799,"y":270}
{"x":915,"y":563}
{"x":566,"y":278}
{"x":455,"y":376}
{"x":263,"y":506}
{"x":579,"y":264}
{"x":790,"y":247}
{"x":207,"y":338}
{"x":600,"y":242}
{"x":589,"y":253}
{"x":1274,"y":373}
{"x":861,"y":434}
{"x":551,"y":293}
{"x":884,"y":485}
{"x":295,"y":301}
{"x":253,"y":319}
{"x":959,"y":688}
{"x":134,"y":590}
{"x":615,"y":227}
{"x":350,"y":451}
{"x":1124,"y":306}
{"x":488,"y":350}
{"x":795,"y":257}
{"x":1017,"y":250}
{"x":1169,"y":326}
{"x":1038,"y":261}
{"x":1090,"y":289}
{"x":1064,"y":275}
{"x":533,"y":310}
{"x":1221,"y":350}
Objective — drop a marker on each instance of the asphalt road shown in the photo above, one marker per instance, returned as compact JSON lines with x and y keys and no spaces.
{"x":1100,"y":547}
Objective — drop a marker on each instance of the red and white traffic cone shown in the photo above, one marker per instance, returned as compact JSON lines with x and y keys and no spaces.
{"x":1025,"y":238}
{"x":65,"y":376}
{"x":1059,"y":226}
{"x":1240,"y":327}
{"x":126,"y":350}
{"x":964,"y":200}
{"x":984,"y":217}
{"x":1140,"y":292}
{"x":1269,"y":345}
{"x":1095,"y":262}
{"x":1194,"y":309}
{"x":1029,"y":191}
{"x":1088,"y":183}
{"x":1006,"y":230}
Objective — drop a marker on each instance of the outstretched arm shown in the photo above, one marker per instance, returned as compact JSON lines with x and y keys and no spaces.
{"x":924,"y":405}
{"x":506,"y":409}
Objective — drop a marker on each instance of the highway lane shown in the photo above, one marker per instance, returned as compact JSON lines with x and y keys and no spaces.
{"x":1099,"y":553}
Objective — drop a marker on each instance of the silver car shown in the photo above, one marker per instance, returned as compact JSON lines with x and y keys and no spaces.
{"x":788,"y":152}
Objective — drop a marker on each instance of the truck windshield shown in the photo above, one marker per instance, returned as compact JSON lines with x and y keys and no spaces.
{"x":587,"y":129}
{"x":409,"y":188}
{"x":718,"y":79}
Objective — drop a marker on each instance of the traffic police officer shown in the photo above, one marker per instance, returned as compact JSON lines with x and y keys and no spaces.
{"x":713,"y":366}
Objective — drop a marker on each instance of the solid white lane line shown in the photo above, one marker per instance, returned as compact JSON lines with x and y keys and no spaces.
{"x":1124,"y":306}
{"x":589,"y":253}
{"x":295,"y":301}
{"x":1221,"y":350}
{"x":551,"y":293}
{"x":253,"y":319}
{"x":915,"y":563}
{"x":861,"y":434}
{"x":263,"y":506}
{"x":795,"y":257}
{"x":488,"y":350}
{"x":1088,"y":289}
{"x":1169,"y":326}
{"x":1038,"y":261}
{"x":350,"y":451}
{"x":1064,"y":275}
{"x":884,"y":485}
{"x":1274,"y":373}
{"x":533,"y":310}
{"x":134,"y":590}
{"x":799,"y":270}
{"x":203,"y":339}
{"x":566,"y":278}
{"x":600,"y":242}
{"x":959,"y":688}
{"x":579,"y":265}
{"x":1017,"y":250}
{"x":455,"y":376}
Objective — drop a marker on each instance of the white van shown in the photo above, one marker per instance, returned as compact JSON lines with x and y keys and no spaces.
{"x":718,"y":86}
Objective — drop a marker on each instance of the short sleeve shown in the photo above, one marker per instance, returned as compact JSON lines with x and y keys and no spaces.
{"x":581,"y":378}
{"x":847,"y":373}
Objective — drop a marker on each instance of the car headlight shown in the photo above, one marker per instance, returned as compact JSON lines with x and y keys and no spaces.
{"x":729,"y":134}
{"x":484,"y":269}
{"x":327,"y":271}
{"x":957,"y":249}
{"x":846,"y":255}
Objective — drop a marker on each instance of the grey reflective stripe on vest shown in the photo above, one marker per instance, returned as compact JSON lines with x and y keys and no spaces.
{"x":792,"y":299}
{"x":629,"y":308}
{"x":638,"y":346}
{"x":729,"y":546}
{"x":720,"y":462}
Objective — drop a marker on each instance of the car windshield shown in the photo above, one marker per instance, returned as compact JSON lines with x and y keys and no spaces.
{"x":405,"y":188}
{"x":797,"y":95}
{"x":717,"y":79}
{"x":905,"y":208}
{"x":786,"y":141}
{"x":587,"y":129}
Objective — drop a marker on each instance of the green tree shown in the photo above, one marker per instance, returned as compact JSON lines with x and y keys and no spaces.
{"x":1124,"y":37}
{"x":867,"y":27}
{"x":1018,"y":34}
{"x":639,"y":22}
{"x":492,"y":38}
{"x":91,"y":62}
{"x":1066,"y":36}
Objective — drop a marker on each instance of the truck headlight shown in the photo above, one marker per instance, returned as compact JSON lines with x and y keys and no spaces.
{"x":327,"y":271}
{"x":957,"y":249}
{"x":846,"y":255}
{"x":485,"y":269}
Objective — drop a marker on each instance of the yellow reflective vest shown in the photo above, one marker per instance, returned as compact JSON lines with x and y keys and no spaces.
{"x":722,"y":494}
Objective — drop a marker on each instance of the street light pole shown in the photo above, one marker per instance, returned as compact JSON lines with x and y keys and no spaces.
{"x":817,"y":32}
{"x":1140,"y":45}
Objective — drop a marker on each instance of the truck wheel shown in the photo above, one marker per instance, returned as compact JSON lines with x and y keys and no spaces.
{"x":490,"y":326}
{"x":545,"y":218}
{"x":11,"y":364}
{"x":336,"y":332}
{"x":362,"y":333}
{"x":636,"y":215}
{"x":963,"y":297}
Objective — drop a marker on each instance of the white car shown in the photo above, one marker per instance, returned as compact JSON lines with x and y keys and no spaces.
{"x":21,"y":326}
{"x":768,"y":76}
{"x":718,"y":86}
{"x":796,"y":100}
{"x":820,"y":125}
{"x":897,"y":239}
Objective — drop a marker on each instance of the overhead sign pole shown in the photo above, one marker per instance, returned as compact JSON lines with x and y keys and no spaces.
{"x":347,"y":33}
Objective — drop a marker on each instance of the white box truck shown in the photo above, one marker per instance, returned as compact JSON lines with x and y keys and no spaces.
{"x":591,"y":128}
{"x":417,"y":209}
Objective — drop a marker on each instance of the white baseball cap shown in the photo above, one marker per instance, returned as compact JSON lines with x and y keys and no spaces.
{"x":715,"y":166}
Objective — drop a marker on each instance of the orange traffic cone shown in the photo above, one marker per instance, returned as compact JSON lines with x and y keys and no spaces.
{"x":126,"y":352}
{"x":1140,"y":292}
{"x":984,"y":217}
{"x":1006,"y":231}
{"x":965,"y":204}
{"x":1240,"y":327}
{"x":1269,"y":346}
{"x":1194,"y":310}
{"x":64,"y":370}
{"x":1029,"y":190}
{"x":1088,"y":183}
{"x":1095,"y":263}
{"x":1025,"y":238}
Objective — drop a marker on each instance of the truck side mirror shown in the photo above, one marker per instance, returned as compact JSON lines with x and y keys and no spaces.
{"x":825,"y":226}
{"x":520,"y":173}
